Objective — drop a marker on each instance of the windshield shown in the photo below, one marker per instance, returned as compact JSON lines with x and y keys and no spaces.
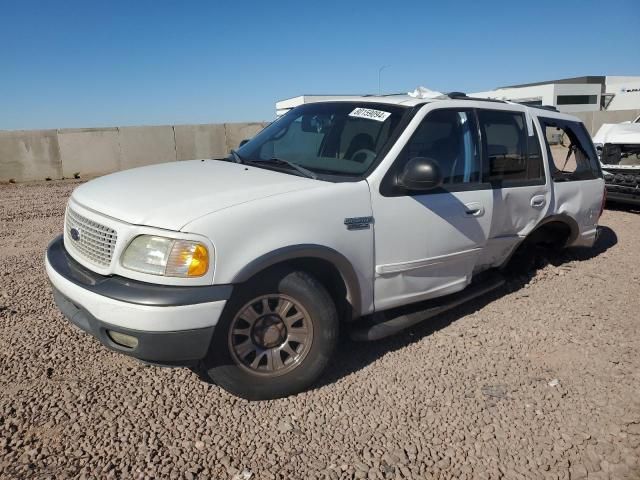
{"x":340,"y":138}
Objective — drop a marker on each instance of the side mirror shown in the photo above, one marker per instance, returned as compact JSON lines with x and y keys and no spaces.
{"x":246,"y":140}
{"x":421,"y":173}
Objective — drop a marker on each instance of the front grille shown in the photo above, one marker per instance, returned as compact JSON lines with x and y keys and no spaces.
{"x":626,"y":179}
{"x":93,"y":241}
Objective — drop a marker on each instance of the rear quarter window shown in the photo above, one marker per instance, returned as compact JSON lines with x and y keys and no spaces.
{"x":571,"y":154}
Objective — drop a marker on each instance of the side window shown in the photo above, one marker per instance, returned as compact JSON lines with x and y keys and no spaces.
{"x":449,"y":137}
{"x":569,"y":152}
{"x":505,"y":141}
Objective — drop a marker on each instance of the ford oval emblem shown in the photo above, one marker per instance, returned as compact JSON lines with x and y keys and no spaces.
{"x":75,"y":234}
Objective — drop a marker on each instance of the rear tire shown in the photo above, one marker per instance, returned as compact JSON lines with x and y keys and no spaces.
{"x":275,"y":337}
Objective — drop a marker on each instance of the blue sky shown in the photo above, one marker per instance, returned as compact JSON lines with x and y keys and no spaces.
{"x":105,"y":63}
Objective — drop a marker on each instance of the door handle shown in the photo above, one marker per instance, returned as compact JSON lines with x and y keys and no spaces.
{"x":473,"y":209}
{"x":538,"y":201}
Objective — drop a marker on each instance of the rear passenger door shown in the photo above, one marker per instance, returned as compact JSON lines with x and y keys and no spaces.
{"x":577,"y":184}
{"x":514,"y":168}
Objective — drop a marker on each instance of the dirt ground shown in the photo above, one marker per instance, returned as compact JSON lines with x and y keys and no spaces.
{"x":539,"y":380}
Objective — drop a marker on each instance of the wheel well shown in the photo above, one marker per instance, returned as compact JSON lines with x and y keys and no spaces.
{"x":330,"y":277}
{"x":553,"y":234}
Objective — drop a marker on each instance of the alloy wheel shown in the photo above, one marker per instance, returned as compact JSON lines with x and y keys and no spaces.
{"x":270,"y":335}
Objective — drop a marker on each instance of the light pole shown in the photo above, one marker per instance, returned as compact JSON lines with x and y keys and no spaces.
{"x":380,"y":78}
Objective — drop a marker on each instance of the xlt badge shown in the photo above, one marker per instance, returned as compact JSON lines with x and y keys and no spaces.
{"x":358,"y":223}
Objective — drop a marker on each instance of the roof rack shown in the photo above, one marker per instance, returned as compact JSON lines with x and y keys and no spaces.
{"x":463,"y":96}
{"x":542,"y":107}
{"x":379,"y":94}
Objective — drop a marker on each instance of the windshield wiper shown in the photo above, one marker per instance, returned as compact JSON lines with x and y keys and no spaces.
{"x":236,"y":158}
{"x":306,"y":172}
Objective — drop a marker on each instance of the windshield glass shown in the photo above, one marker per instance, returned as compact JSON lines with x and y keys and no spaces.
{"x":340,"y":138}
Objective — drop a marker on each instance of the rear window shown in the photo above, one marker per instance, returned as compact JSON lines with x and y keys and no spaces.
{"x":570,"y":151}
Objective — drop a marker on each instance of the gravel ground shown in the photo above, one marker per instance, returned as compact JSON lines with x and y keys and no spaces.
{"x":540,"y":380}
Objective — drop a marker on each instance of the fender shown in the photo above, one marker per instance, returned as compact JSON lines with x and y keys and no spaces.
{"x":296,"y":252}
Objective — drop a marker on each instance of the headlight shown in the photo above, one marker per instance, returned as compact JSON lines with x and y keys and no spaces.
{"x":166,"y":256}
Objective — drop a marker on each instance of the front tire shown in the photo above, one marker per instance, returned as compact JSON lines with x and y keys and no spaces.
{"x":275,"y":337}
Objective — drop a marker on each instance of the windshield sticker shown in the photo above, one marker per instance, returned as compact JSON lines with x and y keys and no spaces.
{"x":370,"y":114}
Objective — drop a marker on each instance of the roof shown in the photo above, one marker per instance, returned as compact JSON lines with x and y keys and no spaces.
{"x":393,"y":99}
{"x":409,"y":101}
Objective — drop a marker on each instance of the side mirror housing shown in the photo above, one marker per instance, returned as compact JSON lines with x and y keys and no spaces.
{"x":246,"y":140}
{"x":421,"y":173}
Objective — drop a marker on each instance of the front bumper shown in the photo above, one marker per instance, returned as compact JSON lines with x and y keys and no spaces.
{"x":172,"y":325}
{"x":623,"y":185}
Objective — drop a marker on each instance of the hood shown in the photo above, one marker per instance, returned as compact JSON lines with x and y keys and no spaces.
{"x":170,"y":195}
{"x":620,"y":133}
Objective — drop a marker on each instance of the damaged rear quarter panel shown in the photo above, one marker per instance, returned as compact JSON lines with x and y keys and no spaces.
{"x":580,"y":201}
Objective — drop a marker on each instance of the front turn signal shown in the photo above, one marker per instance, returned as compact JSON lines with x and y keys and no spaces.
{"x":187,"y":259}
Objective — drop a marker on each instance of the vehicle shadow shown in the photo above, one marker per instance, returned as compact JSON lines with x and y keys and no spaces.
{"x":353,"y":356}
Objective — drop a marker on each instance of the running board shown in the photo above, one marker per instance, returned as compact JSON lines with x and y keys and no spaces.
{"x":389,"y":322}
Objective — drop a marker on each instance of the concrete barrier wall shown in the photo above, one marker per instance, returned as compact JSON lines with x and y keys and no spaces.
{"x":201,"y":141}
{"x":30,"y":155}
{"x":101,"y":145}
{"x":27,"y":155}
{"x":140,"y":146}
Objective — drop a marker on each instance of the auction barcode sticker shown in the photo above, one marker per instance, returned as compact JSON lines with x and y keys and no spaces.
{"x":370,"y":114}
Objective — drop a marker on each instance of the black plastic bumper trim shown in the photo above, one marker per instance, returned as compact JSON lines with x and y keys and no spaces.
{"x":628,"y":198}
{"x":175,"y":348}
{"x":127,"y":290}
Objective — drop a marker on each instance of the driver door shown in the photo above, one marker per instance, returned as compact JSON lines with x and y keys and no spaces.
{"x":428,"y":243}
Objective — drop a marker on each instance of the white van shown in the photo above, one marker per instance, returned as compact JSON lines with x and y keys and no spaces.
{"x":333,"y":216}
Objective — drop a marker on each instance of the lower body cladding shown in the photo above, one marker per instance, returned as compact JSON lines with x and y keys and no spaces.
{"x":157,"y":324}
{"x":623,"y":185}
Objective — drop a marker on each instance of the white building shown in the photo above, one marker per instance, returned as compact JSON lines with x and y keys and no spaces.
{"x":283,"y":106}
{"x":625,"y":91}
{"x":578,"y":94}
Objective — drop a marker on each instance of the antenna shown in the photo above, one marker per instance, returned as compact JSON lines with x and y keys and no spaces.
{"x":380,"y":78}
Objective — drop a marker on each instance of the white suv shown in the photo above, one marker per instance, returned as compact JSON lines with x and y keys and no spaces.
{"x":334,"y":215}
